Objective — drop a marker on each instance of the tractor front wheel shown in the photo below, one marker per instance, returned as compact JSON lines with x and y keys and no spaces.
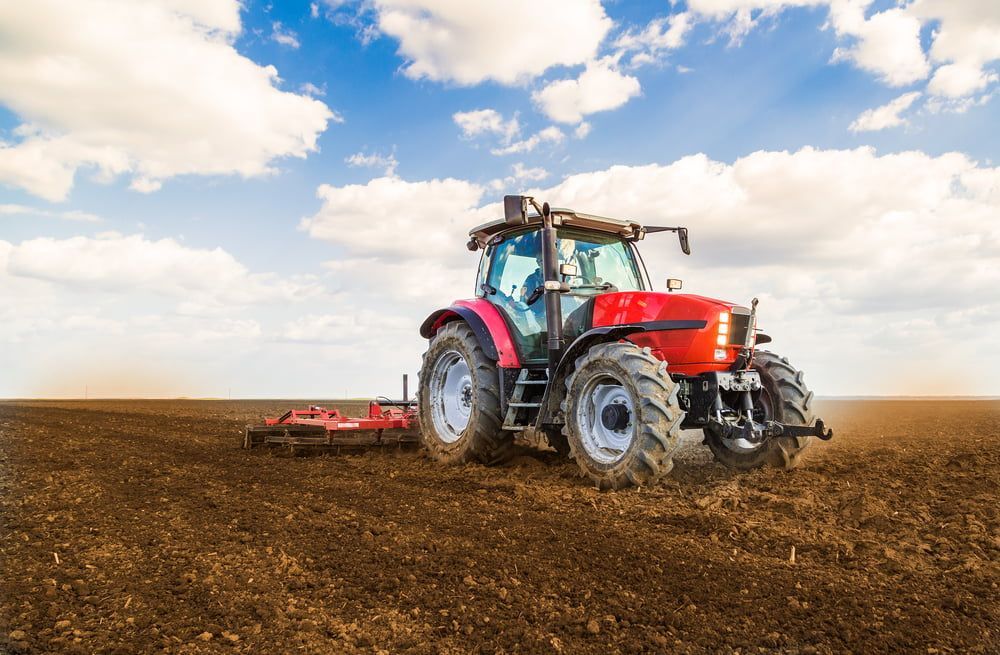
{"x":460,"y":401}
{"x":622,"y":416}
{"x":783,"y":397}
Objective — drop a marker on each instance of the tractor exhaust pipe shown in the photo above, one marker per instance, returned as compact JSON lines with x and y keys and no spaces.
{"x":553,"y":289}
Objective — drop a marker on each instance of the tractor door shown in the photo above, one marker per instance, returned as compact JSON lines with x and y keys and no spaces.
{"x":515,"y":272}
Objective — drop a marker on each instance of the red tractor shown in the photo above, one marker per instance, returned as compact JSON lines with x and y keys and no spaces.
{"x":566,"y":340}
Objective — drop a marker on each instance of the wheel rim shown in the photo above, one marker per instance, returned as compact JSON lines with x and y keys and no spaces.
{"x":451,"y":396}
{"x":606,"y":419}
{"x":742,"y":445}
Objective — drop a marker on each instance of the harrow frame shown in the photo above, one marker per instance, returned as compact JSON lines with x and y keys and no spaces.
{"x":319,"y":427}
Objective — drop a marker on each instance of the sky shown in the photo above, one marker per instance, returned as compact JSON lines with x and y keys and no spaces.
{"x":212,"y":198}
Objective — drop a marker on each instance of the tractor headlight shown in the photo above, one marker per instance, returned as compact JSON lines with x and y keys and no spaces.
{"x":722,"y":336}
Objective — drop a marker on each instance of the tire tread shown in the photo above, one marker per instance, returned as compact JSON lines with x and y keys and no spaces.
{"x":660,"y":416}
{"x":486,"y":442}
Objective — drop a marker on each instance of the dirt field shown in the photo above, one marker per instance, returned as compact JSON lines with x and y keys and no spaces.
{"x":140,"y":527}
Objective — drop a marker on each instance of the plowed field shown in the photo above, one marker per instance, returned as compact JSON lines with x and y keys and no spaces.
{"x":141,"y":527}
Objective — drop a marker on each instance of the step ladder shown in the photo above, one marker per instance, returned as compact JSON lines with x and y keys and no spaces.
{"x":524,"y":382}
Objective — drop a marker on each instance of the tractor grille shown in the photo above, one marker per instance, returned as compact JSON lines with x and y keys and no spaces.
{"x":740,"y":325}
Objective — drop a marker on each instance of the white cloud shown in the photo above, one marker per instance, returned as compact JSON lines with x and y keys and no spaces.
{"x":598,"y":88}
{"x":550,"y":134}
{"x":418,"y":286}
{"x":354,"y":329}
{"x":886,"y":116}
{"x":387,"y":163}
{"x":507,"y":42}
{"x":133,"y":264}
{"x":157,"y":330}
{"x":647,"y":45}
{"x":68,"y":215}
{"x":524,"y":174}
{"x":151,"y":89}
{"x":582,"y":130}
{"x":490,"y":122}
{"x":964,"y":40}
{"x":960,"y":80}
{"x":741,"y":16}
{"x":394,"y":219}
{"x":486,"y":121}
{"x":284,"y":36}
{"x":310,"y":89}
{"x":520,"y":174}
{"x":939,"y":104}
{"x":403,"y":242}
{"x":887,"y":43}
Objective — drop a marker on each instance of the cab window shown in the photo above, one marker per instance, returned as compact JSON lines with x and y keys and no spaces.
{"x":515,"y":261}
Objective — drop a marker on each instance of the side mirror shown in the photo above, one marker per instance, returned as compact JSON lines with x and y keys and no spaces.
{"x":515,"y":209}
{"x":682,"y":235}
{"x":673,"y":284}
{"x":567,"y":270}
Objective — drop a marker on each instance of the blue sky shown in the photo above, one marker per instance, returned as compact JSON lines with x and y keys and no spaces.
{"x":697,"y":135}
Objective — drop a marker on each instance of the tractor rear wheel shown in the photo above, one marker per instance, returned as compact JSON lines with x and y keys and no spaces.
{"x":785,"y":398}
{"x":460,"y":401}
{"x":622,"y":416}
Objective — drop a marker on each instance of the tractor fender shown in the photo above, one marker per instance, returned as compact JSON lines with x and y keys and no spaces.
{"x":489,"y":327}
{"x":556,"y":387}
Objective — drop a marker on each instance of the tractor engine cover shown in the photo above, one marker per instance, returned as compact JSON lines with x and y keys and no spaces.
{"x":688,"y":351}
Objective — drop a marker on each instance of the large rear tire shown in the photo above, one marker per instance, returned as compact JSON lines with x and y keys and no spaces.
{"x":785,"y":398}
{"x":622,"y":416}
{"x":460,"y":402}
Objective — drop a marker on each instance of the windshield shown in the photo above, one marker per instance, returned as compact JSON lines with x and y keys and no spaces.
{"x":601,"y":260}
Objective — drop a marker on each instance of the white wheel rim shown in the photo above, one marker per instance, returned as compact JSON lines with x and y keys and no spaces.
{"x":603,"y":443}
{"x":450,"y":396}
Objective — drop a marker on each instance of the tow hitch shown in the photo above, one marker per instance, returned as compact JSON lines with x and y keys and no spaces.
{"x":755,"y":432}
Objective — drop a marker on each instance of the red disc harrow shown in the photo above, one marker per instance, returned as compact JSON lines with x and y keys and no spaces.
{"x":388,"y":422}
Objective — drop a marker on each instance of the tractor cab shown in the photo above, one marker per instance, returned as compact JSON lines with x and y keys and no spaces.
{"x":562,"y":256}
{"x":590,"y":263}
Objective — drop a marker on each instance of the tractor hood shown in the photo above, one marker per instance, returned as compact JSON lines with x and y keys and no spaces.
{"x":716,"y":343}
{"x":647,"y":306}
